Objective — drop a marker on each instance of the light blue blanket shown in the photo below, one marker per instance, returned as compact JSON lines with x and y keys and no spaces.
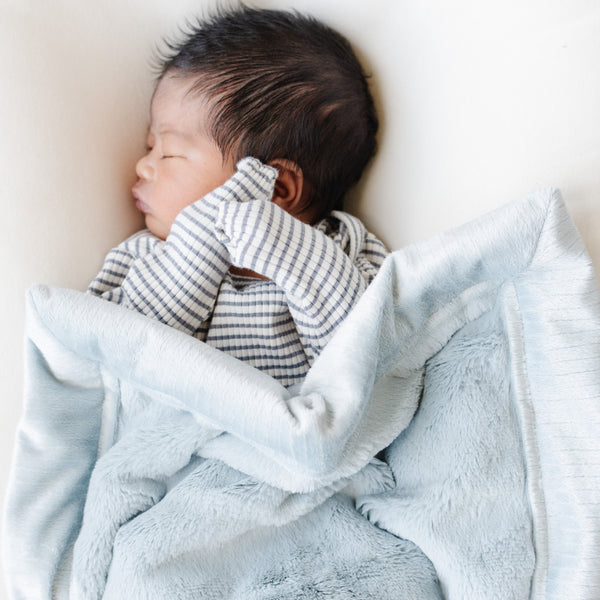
{"x":149,"y":465}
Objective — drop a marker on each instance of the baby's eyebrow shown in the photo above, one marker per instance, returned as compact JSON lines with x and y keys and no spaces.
{"x":161,"y":133}
{"x":170,"y":132}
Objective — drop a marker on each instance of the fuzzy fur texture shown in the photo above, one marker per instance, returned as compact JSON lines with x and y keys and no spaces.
{"x":149,"y":465}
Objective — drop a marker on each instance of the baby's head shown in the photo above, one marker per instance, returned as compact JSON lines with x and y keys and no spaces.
{"x":275,"y":85}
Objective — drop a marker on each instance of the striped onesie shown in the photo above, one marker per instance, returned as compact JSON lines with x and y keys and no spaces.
{"x":314,"y":274}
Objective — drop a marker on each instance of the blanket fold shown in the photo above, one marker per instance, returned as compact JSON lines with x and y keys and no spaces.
{"x":150,"y":465}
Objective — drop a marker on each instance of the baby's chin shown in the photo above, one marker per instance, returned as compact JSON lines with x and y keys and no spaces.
{"x":156,"y":227}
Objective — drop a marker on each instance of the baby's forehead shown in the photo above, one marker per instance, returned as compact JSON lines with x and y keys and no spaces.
{"x":177,"y":112}
{"x":179,"y":90}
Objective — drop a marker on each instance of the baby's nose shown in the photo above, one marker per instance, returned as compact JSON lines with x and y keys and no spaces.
{"x":144,"y":168}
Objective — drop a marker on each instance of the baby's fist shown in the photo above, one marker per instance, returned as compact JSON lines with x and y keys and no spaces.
{"x":253,"y":180}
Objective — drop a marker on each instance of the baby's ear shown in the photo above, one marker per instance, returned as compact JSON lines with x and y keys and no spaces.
{"x":290,"y":190}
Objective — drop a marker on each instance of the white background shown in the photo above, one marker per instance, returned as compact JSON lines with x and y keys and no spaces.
{"x":481,"y":102}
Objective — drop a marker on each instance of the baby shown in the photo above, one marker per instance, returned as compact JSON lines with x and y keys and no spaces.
{"x":253,"y":256}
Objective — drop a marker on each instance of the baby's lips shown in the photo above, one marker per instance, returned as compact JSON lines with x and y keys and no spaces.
{"x":139,"y":202}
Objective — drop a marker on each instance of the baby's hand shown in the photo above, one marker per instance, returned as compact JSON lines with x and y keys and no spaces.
{"x":252,"y":181}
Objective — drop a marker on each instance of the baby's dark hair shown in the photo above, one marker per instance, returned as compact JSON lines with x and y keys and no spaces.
{"x":282,"y":85}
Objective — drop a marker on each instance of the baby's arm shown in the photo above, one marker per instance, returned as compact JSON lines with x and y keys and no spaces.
{"x":176,"y":281}
{"x":322,"y":282}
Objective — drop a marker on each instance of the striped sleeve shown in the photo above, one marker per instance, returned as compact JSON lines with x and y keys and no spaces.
{"x":178,"y":280}
{"x":365,"y":250}
{"x":322,"y":281}
{"x":117,"y":263}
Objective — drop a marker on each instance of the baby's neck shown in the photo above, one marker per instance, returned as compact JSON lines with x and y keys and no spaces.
{"x":245,"y":273}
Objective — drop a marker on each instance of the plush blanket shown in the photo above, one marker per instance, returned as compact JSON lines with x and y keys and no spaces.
{"x":149,"y":465}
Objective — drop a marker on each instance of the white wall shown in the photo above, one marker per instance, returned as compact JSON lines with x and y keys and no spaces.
{"x":481,"y":102}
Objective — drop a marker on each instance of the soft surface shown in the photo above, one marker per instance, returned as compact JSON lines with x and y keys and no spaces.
{"x":150,"y":465}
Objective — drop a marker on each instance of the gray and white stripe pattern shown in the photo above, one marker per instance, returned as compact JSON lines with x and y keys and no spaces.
{"x":279,"y":324}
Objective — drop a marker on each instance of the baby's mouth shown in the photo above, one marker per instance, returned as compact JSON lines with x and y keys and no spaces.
{"x":142,"y":206}
{"x":139,"y":203}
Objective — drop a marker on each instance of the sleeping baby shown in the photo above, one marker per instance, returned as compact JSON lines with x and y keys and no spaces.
{"x":260,"y":122}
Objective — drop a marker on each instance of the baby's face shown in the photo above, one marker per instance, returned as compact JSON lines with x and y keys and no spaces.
{"x":182,"y":163}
